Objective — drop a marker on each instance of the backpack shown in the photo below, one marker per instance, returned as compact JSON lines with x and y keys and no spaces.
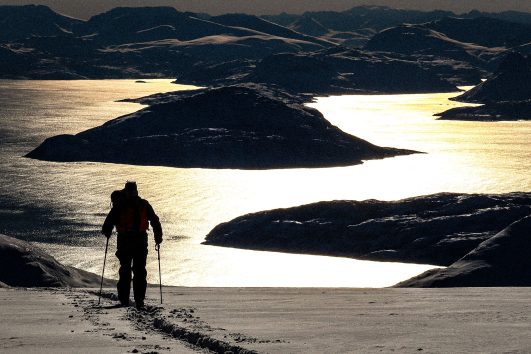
{"x":132,"y":216}
{"x":118,"y":199}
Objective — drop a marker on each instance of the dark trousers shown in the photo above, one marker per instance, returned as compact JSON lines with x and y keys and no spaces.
{"x":132,"y":253}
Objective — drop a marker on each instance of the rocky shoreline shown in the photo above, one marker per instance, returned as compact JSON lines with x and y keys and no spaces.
{"x":438,"y":229}
{"x":478,"y":239}
{"x":490,"y":112}
{"x":27,"y":265}
{"x":505,"y":96}
{"x":502,"y":260}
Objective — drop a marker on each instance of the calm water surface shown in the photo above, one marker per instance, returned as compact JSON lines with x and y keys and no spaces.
{"x":62,"y":205}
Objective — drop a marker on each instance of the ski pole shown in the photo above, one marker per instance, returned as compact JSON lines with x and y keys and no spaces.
{"x":157,"y":247}
{"x":103,"y":271}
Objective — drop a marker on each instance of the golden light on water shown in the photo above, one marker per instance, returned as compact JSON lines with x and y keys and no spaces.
{"x":460,"y":157}
{"x":482,"y":157}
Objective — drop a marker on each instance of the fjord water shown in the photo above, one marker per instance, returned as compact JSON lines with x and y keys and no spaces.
{"x":62,"y":205}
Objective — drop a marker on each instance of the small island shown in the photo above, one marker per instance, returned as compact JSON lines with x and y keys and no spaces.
{"x":244,"y":127}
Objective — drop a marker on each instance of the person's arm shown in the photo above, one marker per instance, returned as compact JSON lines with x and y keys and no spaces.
{"x":109,"y":223}
{"x":155,"y":223}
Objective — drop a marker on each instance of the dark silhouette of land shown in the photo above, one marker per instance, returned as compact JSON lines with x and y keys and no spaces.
{"x":502,"y":260}
{"x":25,"y":265}
{"x":397,"y":50}
{"x":133,"y":42}
{"x":331,"y":71}
{"x":246,"y":127}
{"x":510,"y":82}
{"x":491,"y":112}
{"x":259,"y":72}
{"x":437,"y":229}
{"x":354,"y":26}
{"x":506,"y":95}
{"x":357,"y":25}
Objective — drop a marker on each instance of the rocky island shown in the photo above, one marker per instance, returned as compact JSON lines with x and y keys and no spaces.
{"x":243,"y":126}
{"x":438,"y":229}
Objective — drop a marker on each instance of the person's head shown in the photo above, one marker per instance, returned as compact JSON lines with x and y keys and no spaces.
{"x":130,"y":189}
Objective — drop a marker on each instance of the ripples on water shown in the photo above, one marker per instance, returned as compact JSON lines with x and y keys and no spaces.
{"x":62,"y":205}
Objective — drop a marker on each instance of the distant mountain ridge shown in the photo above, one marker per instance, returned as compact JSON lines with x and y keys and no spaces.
{"x":367,"y":20}
{"x":362,"y":17}
{"x":419,"y":39}
{"x":512,"y":16}
{"x":149,"y":42}
{"x":37,"y":20}
{"x":478,"y":41}
{"x":485,"y":31}
{"x":20,"y":22}
{"x":124,"y":23}
{"x":135,"y":42}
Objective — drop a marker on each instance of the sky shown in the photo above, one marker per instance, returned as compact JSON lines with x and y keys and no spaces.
{"x":87,"y":8}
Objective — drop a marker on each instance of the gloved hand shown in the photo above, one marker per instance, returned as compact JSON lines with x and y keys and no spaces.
{"x":158,"y":239}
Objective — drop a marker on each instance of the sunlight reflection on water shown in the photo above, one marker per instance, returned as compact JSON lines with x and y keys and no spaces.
{"x":482,"y":157}
{"x":462,"y":157}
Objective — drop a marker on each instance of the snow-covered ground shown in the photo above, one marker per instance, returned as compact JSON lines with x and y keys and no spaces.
{"x":271,"y":320}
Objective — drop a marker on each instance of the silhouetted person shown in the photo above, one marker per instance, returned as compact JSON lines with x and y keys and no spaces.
{"x":131,"y":215}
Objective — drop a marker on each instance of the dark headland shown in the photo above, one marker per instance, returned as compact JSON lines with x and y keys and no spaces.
{"x":437,"y":229}
{"x":490,"y":112}
{"x":502,"y":260}
{"x":510,"y":82}
{"x":506,"y":95}
{"x":245,"y":127}
{"x":26,"y":265}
